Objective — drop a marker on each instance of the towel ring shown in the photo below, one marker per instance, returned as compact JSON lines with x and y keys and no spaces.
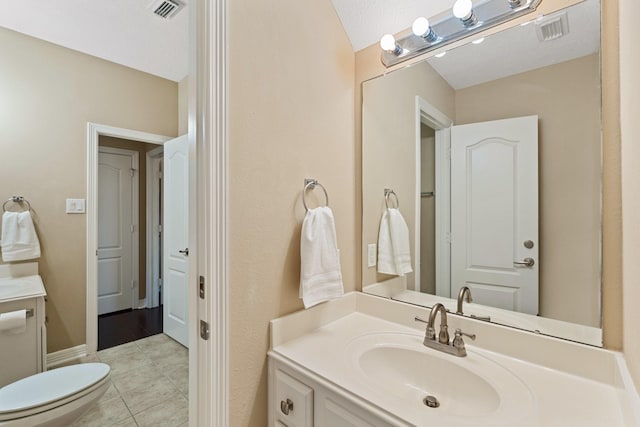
{"x":16,"y":199}
{"x":388,"y":192}
{"x":310,"y":184}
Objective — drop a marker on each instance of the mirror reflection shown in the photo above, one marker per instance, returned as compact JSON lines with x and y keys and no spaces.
{"x":493,"y":154}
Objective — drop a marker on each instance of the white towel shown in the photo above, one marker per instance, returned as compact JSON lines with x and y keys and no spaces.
{"x":19,"y":238}
{"x":394,"y":255}
{"x":320,"y":276}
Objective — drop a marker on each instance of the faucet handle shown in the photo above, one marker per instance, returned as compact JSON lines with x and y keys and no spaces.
{"x":430,"y":333}
{"x":459,"y":334}
{"x":458,"y":342}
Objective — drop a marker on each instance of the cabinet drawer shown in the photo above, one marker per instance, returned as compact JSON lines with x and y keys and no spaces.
{"x":294,"y":401}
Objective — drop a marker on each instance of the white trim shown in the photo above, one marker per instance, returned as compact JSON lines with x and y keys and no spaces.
{"x":629,"y":386}
{"x":208,"y":129}
{"x":135,"y":209}
{"x":72,"y":354}
{"x":438,"y":121}
{"x":94,"y":131}
{"x":153,"y":158}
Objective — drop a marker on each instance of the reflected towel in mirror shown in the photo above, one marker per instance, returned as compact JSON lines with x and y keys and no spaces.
{"x":394,"y":255}
{"x":320,"y":275}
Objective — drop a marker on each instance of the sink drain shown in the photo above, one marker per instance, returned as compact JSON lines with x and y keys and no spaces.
{"x":431,"y":401}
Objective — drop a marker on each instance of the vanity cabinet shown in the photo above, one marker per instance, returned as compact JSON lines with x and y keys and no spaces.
{"x":298,"y":398}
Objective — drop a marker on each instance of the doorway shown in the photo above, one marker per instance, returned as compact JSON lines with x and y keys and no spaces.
{"x":129,"y":227}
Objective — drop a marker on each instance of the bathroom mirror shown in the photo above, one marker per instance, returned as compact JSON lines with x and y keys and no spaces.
{"x":493,"y":153}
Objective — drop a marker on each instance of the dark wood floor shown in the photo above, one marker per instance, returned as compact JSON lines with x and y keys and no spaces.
{"x":129,"y":325}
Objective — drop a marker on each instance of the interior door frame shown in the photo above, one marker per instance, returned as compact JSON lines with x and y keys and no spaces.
{"x":135,"y":208}
{"x":429,"y":115}
{"x":153,"y":218}
{"x":94,"y":131}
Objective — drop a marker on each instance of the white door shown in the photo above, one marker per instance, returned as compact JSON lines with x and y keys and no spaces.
{"x":494,"y":212}
{"x":176,"y":239}
{"x":117,"y":242}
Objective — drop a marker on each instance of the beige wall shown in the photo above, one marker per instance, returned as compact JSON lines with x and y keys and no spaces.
{"x":427,"y":210}
{"x":142,"y":148}
{"x":183,"y":106}
{"x":566,"y":98}
{"x":291,"y":117}
{"x":49,"y":93}
{"x":388,"y":126}
{"x":630,"y":130}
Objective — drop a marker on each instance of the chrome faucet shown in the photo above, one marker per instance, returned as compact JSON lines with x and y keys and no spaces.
{"x":464,"y":291}
{"x":456,"y":347}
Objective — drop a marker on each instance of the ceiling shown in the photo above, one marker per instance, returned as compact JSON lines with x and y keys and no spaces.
{"x":518,"y":49}
{"x":122,"y":31}
{"x":128,"y":33}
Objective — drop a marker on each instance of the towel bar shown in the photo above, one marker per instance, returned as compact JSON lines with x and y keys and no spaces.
{"x":16,"y":199}
{"x":310,"y":184}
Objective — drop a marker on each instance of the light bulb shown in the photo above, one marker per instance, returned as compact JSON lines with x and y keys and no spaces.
{"x":462,"y":9}
{"x":388,"y":43}
{"x":441,"y":54}
{"x":478,"y":41}
{"x":420,"y":26}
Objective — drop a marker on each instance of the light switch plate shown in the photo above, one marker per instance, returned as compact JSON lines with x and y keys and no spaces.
{"x":75,"y":206}
{"x":372,"y":254}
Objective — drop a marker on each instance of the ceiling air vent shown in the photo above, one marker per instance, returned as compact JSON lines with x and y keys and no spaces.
{"x":166,"y":8}
{"x":552,"y":28}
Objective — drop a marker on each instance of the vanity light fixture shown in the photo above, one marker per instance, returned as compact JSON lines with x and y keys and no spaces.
{"x":463,"y":10}
{"x":388,"y":44}
{"x":441,"y":54}
{"x":465,"y":19}
{"x":421,"y":28}
{"x":478,"y":41}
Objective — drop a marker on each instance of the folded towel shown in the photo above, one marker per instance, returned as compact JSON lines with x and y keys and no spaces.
{"x":386,"y":260}
{"x":320,"y":276}
{"x":400,"y":239}
{"x":394,"y":255}
{"x":19,"y":238}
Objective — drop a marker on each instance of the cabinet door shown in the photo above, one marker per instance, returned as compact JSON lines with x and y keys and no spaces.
{"x":336,"y":415}
{"x":294,"y":401}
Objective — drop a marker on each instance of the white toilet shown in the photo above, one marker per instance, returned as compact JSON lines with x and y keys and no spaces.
{"x":53,"y":398}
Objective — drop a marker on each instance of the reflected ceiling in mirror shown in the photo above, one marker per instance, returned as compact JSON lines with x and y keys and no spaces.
{"x":494,"y":152}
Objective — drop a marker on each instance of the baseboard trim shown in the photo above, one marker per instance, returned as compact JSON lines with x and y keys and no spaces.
{"x":72,"y":354}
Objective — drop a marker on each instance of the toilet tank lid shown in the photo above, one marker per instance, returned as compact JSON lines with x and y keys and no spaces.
{"x":47,"y":387}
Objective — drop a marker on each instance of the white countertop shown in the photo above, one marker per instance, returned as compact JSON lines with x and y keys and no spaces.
{"x":568,"y":384}
{"x":16,"y":288}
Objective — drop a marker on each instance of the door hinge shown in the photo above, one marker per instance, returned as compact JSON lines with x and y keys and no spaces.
{"x":204,"y":330}
{"x":447,"y":237}
{"x":132,"y":228}
{"x":201,"y":287}
{"x":133,"y":284}
{"x":133,"y":172}
{"x":159,"y":283}
{"x":159,"y":228}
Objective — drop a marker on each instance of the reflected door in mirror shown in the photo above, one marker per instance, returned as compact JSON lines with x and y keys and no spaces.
{"x":494,"y":205}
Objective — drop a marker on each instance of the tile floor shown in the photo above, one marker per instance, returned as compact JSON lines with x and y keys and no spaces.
{"x":150,"y":384}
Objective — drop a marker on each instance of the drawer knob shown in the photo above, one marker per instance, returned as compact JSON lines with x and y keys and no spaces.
{"x":286,"y":407}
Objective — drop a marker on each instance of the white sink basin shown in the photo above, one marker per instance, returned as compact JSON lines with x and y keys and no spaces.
{"x":399,"y":366}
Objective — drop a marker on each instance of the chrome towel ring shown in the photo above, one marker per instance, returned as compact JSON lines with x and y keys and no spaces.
{"x":16,"y":199}
{"x":310,"y":184}
{"x":387,"y":193}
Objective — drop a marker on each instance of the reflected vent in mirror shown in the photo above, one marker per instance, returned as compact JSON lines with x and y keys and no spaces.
{"x":552,"y":28}
{"x":166,"y":8}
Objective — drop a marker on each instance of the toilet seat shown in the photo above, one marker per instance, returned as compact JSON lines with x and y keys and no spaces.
{"x":50,"y":389}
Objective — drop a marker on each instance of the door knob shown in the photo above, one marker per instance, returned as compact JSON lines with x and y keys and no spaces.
{"x":527,"y":262}
{"x":185,"y":251}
